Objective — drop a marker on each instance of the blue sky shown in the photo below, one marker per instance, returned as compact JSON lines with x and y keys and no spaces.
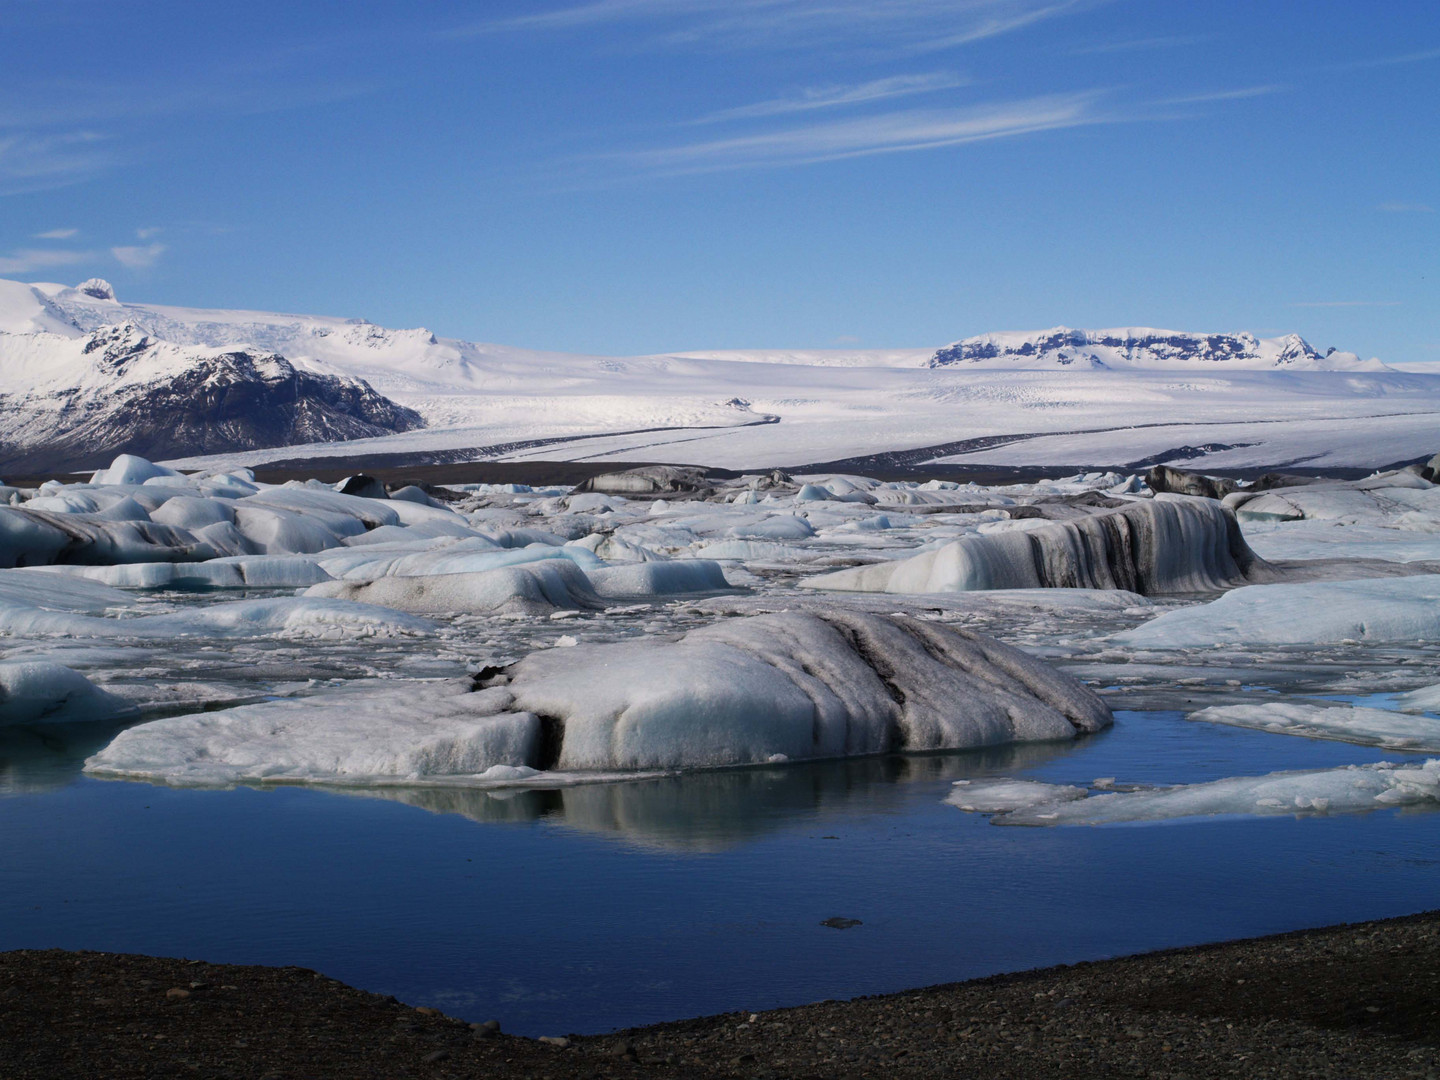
{"x":623,"y":176}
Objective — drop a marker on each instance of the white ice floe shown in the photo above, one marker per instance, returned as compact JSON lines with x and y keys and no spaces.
{"x":233,"y":572}
{"x":658,"y":578}
{"x":1342,"y":723}
{"x":363,"y":732}
{"x":1426,"y":699}
{"x":129,"y":469}
{"x":1391,"y":609}
{"x":297,"y":617}
{"x":1004,"y":795}
{"x":1303,"y":793}
{"x":1385,"y":495}
{"x":39,"y":590}
{"x":40,"y":692}
{"x":531,"y":588}
{"x":743,"y":691}
{"x":1172,"y":544}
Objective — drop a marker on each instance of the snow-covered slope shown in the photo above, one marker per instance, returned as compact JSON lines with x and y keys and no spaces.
{"x":72,"y":399}
{"x":1134,"y":347}
{"x":1056,"y":397}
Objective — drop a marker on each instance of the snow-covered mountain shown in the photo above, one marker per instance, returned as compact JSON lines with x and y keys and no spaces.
{"x":84,"y":374}
{"x":71,"y":398}
{"x":1144,"y":348}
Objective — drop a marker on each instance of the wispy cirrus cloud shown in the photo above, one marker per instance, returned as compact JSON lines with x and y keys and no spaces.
{"x":34,"y":162}
{"x":830,"y":97}
{"x":1239,"y":94}
{"x":1390,"y":61}
{"x":1405,"y":208}
{"x":1346,"y":303}
{"x":58,"y":234}
{"x":1141,"y":44}
{"x":138,"y":258}
{"x":910,"y":25}
{"x":888,"y":133}
{"x":29,"y":260}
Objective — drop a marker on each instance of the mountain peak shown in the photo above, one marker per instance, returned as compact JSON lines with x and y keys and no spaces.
{"x":96,"y":288}
{"x":1133,"y":348}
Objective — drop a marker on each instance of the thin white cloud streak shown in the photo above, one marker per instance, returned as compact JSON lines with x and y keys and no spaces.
{"x":138,"y":258}
{"x":919,"y":25}
{"x":1390,"y":61}
{"x":1141,"y":44}
{"x":1347,"y":303}
{"x":58,"y":234}
{"x":146,"y":234}
{"x":828,"y":97}
{"x":890,"y":133}
{"x":1226,"y":95}
{"x":28,"y":260}
{"x":1405,"y":208}
{"x":30,"y":162}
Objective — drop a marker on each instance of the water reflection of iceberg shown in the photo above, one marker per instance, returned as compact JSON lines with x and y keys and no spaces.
{"x":44,"y":757}
{"x":715,"y":810}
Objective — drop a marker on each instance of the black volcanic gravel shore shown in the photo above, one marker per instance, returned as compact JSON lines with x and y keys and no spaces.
{"x":1348,"y":1001}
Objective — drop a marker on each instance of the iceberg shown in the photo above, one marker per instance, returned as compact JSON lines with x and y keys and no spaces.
{"x":411,"y":732}
{"x":793,"y":686}
{"x":40,"y":692}
{"x":1342,"y":723}
{"x":231,"y":572}
{"x":292,"y":617}
{"x":760,"y":690}
{"x":1325,"y":612}
{"x":530,"y":588}
{"x":1169,"y":544}
{"x":1349,"y":789}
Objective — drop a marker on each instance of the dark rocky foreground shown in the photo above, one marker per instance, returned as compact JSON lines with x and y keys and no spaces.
{"x":1349,"y":1001}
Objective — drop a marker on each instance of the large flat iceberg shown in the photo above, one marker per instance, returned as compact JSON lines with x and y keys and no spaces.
{"x":1368,"y":727}
{"x":363,"y":732}
{"x":1394,"y":609}
{"x":742,"y":691}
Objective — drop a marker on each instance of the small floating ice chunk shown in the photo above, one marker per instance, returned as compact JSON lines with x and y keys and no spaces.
{"x":774,"y":527}
{"x":659,"y":578}
{"x":1002,"y":794}
{"x":1342,"y":723}
{"x":130,"y":469}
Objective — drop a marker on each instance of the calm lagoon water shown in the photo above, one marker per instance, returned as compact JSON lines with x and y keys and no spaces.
{"x":590,"y":908}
